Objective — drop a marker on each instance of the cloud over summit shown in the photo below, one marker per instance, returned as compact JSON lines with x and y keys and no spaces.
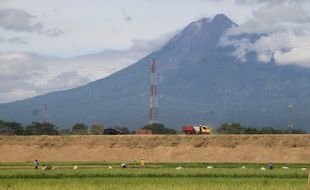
{"x":282,"y":33}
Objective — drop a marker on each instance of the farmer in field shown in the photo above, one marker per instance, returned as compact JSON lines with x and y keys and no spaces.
{"x":142,"y":162}
{"x":270,"y":166}
{"x":45,"y":167}
{"x":36,"y":164}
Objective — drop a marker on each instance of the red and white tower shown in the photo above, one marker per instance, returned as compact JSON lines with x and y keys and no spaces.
{"x":153,"y":94}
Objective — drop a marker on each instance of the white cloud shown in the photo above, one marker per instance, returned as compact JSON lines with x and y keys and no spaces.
{"x":93,"y":26}
{"x":16,"y":72}
{"x":269,"y":19}
{"x":18,"y":20}
{"x":62,"y":81}
{"x":18,"y":94}
{"x":300,"y":56}
{"x":21,"y":21}
{"x":280,"y":31}
{"x":24,"y":75}
{"x":14,"y":41}
{"x":270,"y":2}
{"x":19,"y":65}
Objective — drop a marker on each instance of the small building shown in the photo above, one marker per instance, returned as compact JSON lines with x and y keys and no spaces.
{"x":6,"y":131}
{"x":144,"y":132}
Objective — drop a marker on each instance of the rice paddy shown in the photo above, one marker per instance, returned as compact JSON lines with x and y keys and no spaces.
{"x":169,"y":176}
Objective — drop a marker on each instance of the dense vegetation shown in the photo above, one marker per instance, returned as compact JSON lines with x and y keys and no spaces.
{"x":45,"y":128}
{"x":35,"y":128}
{"x":236,"y":128}
{"x":158,"y":128}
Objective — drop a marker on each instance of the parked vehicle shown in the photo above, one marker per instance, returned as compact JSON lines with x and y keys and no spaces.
{"x":112,"y":131}
{"x":201,"y":129}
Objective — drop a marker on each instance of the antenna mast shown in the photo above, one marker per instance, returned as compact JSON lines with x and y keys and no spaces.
{"x":153,"y":114}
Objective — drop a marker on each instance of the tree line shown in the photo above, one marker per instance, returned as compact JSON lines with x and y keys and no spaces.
{"x":236,"y":128}
{"x":35,"y":128}
{"x":45,"y":128}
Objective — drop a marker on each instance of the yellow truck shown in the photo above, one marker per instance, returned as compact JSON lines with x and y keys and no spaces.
{"x":196,"y":129}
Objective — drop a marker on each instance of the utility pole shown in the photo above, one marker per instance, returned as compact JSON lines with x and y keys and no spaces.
{"x":290,"y":118}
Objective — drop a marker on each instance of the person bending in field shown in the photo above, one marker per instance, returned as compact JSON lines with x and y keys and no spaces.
{"x":45,"y":167}
{"x":36,"y":164}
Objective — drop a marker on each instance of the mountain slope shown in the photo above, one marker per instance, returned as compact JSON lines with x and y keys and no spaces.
{"x":198,"y":82}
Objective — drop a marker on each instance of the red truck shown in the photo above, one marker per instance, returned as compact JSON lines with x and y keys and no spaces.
{"x":201,"y":129}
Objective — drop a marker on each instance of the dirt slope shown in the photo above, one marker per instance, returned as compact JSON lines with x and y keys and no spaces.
{"x":166,"y":148}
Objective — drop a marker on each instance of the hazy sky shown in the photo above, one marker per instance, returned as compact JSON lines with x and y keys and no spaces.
{"x":88,"y":26}
{"x":42,"y":41}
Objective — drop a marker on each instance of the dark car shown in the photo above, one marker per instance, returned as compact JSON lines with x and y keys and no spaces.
{"x":111,"y":131}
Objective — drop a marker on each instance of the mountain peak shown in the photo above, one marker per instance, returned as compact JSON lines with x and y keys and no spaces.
{"x":219,"y":21}
{"x":216,"y":19}
{"x":202,"y":31}
{"x":222,"y":21}
{"x":221,"y":18}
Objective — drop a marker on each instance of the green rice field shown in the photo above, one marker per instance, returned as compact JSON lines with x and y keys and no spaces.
{"x":223,"y":176}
